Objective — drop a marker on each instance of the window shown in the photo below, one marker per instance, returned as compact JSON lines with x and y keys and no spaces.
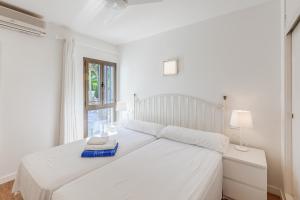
{"x":100,"y":95}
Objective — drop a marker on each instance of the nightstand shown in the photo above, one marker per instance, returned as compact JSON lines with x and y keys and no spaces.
{"x":245,"y":174}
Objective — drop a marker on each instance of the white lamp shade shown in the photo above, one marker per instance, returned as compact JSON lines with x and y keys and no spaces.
{"x":121,"y":106}
{"x":241,"y":119}
{"x":170,"y":67}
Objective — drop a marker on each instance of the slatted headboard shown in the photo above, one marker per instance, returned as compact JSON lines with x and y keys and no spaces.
{"x":180,"y":110}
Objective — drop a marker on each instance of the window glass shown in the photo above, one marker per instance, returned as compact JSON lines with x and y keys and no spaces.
{"x":109,"y":87}
{"x":94,"y":84}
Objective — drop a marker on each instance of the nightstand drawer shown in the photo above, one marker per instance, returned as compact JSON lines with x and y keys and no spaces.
{"x":248,"y":174}
{"x":239,"y":191}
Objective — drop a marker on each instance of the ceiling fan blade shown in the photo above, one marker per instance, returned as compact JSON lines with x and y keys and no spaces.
{"x":111,"y":15}
{"x":136,"y":2}
{"x":116,"y":4}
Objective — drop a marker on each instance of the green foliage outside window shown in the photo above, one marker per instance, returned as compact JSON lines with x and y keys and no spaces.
{"x":95,"y":80}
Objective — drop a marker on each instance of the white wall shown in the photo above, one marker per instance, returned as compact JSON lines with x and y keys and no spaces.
{"x":292,"y":8}
{"x":236,"y":54}
{"x":30,"y":80}
{"x":30,"y":92}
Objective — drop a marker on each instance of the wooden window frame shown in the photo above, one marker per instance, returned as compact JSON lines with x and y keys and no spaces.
{"x":88,"y":107}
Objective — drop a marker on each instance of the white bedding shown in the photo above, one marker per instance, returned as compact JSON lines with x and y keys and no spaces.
{"x":41,"y":173}
{"x":161,"y":170}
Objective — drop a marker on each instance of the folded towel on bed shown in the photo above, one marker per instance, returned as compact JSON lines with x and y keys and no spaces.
{"x":110,"y":144}
{"x":100,"y":153}
{"x":97,"y":140}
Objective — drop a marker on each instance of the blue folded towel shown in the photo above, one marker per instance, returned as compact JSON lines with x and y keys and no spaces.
{"x":99,"y":153}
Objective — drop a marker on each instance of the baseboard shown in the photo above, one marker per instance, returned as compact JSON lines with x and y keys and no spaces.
{"x":7,"y":178}
{"x":276,"y":191}
{"x":288,"y":197}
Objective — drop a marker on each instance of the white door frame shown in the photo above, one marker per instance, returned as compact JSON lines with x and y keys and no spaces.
{"x":286,"y":114}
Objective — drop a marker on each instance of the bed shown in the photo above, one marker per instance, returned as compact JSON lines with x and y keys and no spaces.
{"x":172,"y":167}
{"x":162,"y":170}
{"x":184,"y":164}
{"x":41,"y":173}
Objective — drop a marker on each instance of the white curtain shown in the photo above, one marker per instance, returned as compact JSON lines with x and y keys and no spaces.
{"x":69,"y":120}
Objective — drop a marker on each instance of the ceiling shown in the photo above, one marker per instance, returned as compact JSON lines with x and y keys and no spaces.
{"x":89,"y":17}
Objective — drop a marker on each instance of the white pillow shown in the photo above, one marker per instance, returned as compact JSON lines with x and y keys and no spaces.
{"x":213,"y":141}
{"x":143,"y":126}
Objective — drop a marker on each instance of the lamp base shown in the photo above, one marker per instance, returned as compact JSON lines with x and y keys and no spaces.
{"x":241,"y":148}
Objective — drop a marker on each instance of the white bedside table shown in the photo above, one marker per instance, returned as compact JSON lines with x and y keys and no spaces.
{"x":245,"y":174}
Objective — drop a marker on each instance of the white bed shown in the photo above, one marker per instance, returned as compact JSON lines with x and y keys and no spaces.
{"x":183,"y":165}
{"x":161,"y":170}
{"x":41,"y":173}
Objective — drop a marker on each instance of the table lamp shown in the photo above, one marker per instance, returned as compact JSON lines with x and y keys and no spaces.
{"x":241,"y":119}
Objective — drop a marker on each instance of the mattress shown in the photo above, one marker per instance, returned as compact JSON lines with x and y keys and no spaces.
{"x":41,"y":173}
{"x":161,"y":170}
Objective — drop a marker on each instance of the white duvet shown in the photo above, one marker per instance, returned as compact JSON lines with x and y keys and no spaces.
{"x":41,"y":173}
{"x":161,"y":170}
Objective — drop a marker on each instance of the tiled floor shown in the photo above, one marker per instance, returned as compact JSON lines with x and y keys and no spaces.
{"x":5,"y":193}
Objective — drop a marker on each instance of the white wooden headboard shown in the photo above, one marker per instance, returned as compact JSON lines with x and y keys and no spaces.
{"x":180,"y":110}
